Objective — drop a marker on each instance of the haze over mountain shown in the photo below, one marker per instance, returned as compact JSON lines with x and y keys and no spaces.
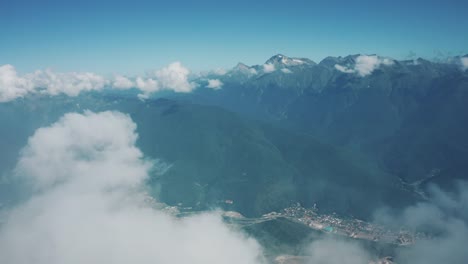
{"x":409,"y":116}
{"x":382,"y":123}
{"x":358,"y":136}
{"x":233,"y":132}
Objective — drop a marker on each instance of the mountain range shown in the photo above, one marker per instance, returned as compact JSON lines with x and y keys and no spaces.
{"x":409,"y":116}
{"x":349,"y":134}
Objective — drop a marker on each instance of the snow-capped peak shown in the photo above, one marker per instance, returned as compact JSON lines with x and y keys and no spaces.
{"x":280,"y":60}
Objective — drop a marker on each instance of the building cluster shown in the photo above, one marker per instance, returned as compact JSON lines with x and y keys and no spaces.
{"x":351,"y":227}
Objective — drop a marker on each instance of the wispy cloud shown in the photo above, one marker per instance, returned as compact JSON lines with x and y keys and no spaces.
{"x":336,"y":251}
{"x":89,"y":205}
{"x":445,"y":216}
{"x":219,"y":71}
{"x":344,"y":69}
{"x":253,"y":71}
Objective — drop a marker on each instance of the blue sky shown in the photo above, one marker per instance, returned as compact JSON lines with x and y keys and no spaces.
{"x":135,"y":36}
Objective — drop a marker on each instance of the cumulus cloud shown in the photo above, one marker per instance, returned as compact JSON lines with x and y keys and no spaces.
{"x":269,"y":67}
{"x":78,"y":146}
{"x":464,"y":63}
{"x":122,"y":82}
{"x":175,"y":77}
{"x":214,"y":84}
{"x":71,"y":83}
{"x":89,"y":204}
{"x":11,"y":85}
{"x":365,"y":65}
{"x":147,"y":85}
{"x":285,"y":70}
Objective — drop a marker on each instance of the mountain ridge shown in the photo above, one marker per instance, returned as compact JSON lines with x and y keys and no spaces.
{"x":379,"y":113}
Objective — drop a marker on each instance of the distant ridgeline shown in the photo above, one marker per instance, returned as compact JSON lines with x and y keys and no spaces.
{"x":410,"y":117}
{"x":341,"y":134}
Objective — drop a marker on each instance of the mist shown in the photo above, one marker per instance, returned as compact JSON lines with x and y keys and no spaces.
{"x":89,"y":205}
{"x":443,"y":218}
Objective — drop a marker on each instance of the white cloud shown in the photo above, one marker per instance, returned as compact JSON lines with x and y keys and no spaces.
{"x":285,"y":70}
{"x":464,"y":63}
{"x":147,"y":85}
{"x":387,"y":61}
{"x":89,"y":205}
{"x":11,"y":85}
{"x":175,"y":77}
{"x":71,"y":83}
{"x":122,"y":82}
{"x":444,"y":215}
{"x":334,"y":251}
{"x":365,"y":65}
{"x":268,"y":68}
{"x":214,"y":84}
{"x":78,"y":146}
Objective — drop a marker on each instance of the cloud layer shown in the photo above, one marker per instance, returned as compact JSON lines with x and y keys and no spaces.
{"x":365,"y":65}
{"x":88,"y":204}
{"x":174,"y":77}
{"x":13,"y":86}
